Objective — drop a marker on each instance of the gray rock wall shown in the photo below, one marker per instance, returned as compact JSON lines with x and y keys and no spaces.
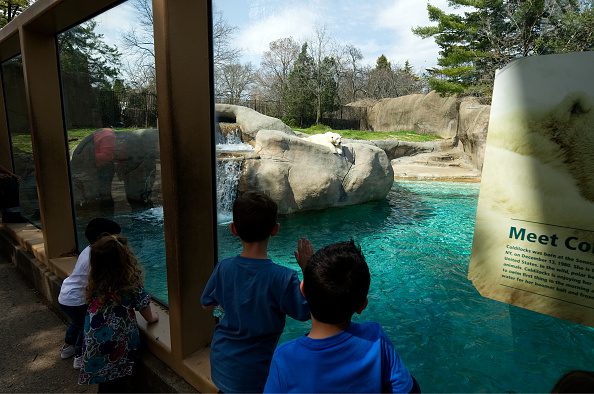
{"x":464,"y":120}
{"x":472,"y":129}
{"x":424,"y":114}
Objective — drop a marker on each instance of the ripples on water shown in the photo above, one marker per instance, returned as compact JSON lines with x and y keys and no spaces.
{"x":417,"y":244}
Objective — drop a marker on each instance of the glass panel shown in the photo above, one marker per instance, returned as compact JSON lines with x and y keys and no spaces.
{"x":20,"y":134}
{"x":366,"y":79}
{"x":111,"y":120}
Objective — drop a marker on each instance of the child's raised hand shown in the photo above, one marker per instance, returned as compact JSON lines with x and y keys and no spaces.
{"x":304,"y":252}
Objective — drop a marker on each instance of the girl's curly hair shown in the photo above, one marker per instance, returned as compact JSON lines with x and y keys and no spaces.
{"x":114,"y":269}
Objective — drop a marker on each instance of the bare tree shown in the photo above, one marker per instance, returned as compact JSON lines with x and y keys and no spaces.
{"x":140,"y":44}
{"x":274,"y":71}
{"x":234,"y":81}
{"x":319,"y":50}
{"x":354,"y":73}
{"x":222,"y":41}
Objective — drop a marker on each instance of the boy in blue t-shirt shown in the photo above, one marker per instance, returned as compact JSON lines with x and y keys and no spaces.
{"x":256,"y":295}
{"x":337,"y":355}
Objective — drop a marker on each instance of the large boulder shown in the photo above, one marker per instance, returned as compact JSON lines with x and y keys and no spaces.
{"x":249,"y":121}
{"x":300,"y":175}
{"x":472,"y":129}
{"x":422,"y":113}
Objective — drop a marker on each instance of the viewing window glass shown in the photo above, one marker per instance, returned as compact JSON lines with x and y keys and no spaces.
{"x":109,"y":94}
{"x":20,"y":134}
{"x":355,"y":117}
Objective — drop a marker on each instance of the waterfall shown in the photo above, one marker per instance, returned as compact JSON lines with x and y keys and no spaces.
{"x":228,"y":174}
{"x":230,"y":151}
{"x":231,"y":142}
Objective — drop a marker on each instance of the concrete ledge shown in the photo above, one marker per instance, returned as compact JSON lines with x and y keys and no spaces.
{"x":28,"y":237}
{"x":153,"y":375}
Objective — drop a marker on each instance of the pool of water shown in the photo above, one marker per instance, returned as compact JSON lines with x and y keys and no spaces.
{"x":417,"y":244}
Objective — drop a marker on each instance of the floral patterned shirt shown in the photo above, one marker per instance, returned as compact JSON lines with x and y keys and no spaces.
{"x":112,"y":339}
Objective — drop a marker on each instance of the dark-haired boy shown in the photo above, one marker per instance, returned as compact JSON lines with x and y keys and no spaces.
{"x":72,"y":298}
{"x":255,"y":294}
{"x":337,"y":355}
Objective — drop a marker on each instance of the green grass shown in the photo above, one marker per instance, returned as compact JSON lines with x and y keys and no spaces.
{"x":410,"y":136}
{"x":22,"y":141}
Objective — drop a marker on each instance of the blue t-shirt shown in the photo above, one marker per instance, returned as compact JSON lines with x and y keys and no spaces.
{"x":360,"y":359}
{"x":256,"y":295}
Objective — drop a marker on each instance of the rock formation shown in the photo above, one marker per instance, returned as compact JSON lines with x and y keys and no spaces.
{"x":422,"y":113}
{"x":300,"y":175}
{"x":462,"y":123}
{"x":249,"y":121}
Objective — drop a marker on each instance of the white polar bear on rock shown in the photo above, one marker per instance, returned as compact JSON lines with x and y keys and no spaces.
{"x":330,"y":140}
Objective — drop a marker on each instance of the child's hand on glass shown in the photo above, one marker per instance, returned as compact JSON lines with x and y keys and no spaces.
{"x":304,"y":252}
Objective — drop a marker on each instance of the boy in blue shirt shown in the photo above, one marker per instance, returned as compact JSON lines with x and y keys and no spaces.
{"x":338,"y":355}
{"x":256,"y":295}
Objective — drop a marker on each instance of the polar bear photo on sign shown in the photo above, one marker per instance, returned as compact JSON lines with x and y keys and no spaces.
{"x":539,"y":161}
{"x":331,"y":140}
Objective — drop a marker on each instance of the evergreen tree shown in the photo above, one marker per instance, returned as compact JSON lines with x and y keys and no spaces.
{"x":82,"y":51}
{"x":461,"y":48}
{"x":329,"y":87}
{"x":407,"y":68}
{"x":493,"y":32}
{"x":9,"y":9}
{"x":569,"y":27}
{"x":382,"y":63}
{"x":380,"y":82}
{"x":300,"y":94}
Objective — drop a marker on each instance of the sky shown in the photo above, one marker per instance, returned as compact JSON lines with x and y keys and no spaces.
{"x":376,"y":27}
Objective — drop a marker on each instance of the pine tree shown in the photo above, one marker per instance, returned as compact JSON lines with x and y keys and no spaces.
{"x":9,"y":9}
{"x":300,"y":93}
{"x":82,"y":50}
{"x":382,"y":63}
{"x":461,"y":48}
{"x":493,"y":32}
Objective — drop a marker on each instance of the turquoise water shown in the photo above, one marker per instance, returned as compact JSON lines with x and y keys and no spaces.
{"x":417,"y":244}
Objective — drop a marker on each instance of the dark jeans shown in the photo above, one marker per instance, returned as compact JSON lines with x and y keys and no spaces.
{"x":9,"y":200}
{"x":9,"y":192}
{"x":75,"y":331}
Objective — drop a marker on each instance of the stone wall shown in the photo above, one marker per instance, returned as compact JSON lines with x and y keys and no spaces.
{"x":422,"y":113}
{"x":463,"y":120}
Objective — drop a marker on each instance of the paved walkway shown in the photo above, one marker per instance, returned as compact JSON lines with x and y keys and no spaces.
{"x":30,"y":339}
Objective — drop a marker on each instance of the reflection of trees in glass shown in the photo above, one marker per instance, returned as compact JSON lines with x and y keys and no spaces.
{"x":9,"y":9}
{"x":83,"y":52}
{"x":18,"y":126}
{"x":140,"y":71}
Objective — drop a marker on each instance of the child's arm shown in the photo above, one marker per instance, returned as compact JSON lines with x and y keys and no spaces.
{"x":304,"y":252}
{"x":149,"y":315}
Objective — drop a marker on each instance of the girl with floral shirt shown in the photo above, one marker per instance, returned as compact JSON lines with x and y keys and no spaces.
{"x":111,"y":338}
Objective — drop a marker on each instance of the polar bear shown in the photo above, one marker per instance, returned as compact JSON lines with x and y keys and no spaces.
{"x":539,"y":165}
{"x":561,"y":138}
{"x":330,"y":140}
